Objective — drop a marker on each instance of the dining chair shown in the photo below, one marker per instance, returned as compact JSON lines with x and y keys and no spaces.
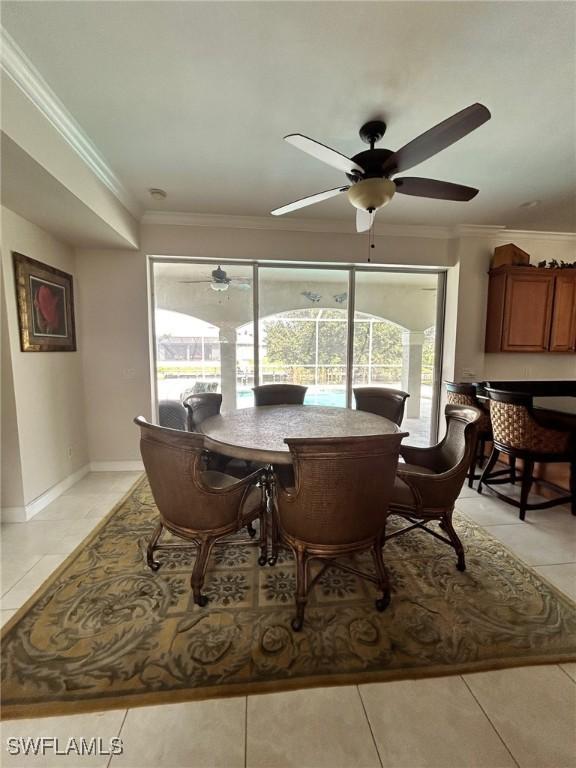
{"x":465,"y":393}
{"x":521,"y":432}
{"x":172,"y":414}
{"x":382,"y":401}
{"x":430,"y":480}
{"x":279,"y":394}
{"x":337,"y":507}
{"x":201,"y":406}
{"x":194,"y":503}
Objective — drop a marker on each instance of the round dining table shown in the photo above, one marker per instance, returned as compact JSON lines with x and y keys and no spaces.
{"x":257,"y":434}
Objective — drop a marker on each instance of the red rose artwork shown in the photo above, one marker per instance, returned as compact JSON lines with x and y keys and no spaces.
{"x":47,"y":304}
{"x":48,"y":300}
{"x":45,"y":301}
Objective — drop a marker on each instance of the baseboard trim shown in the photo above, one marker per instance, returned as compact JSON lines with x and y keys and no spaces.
{"x":26,"y":512}
{"x":116,"y":466}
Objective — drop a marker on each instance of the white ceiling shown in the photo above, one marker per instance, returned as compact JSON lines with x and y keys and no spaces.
{"x":194,"y":97}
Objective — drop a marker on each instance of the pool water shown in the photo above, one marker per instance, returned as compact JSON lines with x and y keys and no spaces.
{"x":333,"y":397}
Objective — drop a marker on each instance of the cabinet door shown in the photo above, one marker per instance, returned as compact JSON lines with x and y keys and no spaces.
{"x":528,"y":312}
{"x":563,"y":334}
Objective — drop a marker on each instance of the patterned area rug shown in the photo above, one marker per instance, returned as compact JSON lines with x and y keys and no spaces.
{"x":106,"y":632}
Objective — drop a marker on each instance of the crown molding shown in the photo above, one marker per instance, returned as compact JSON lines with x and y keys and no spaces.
{"x":24,"y":74}
{"x":283,"y":224}
{"x":529,"y":234}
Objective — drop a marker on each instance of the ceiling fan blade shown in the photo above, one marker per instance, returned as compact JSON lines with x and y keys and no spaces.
{"x":323,"y":153}
{"x":304,"y":201}
{"x":436,"y":139}
{"x":442,"y":190}
{"x":364,"y":220}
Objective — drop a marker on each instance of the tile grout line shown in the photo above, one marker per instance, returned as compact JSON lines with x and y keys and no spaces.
{"x":496,"y":731}
{"x":369,"y":726}
{"x":566,"y":673}
{"x":109,"y":763}
{"x":246,"y":732}
{"x":17,"y":582}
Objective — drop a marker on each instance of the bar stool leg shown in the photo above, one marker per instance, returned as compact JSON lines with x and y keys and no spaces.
{"x":513,"y":470}
{"x":526,"y":485}
{"x":573,"y":486}
{"x":488,"y":468}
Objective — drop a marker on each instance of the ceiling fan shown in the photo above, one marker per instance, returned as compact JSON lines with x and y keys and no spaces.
{"x":370,"y":172}
{"x":220,"y":281}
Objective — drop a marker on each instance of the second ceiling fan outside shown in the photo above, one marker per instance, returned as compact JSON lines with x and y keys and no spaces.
{"x":370,"y":172}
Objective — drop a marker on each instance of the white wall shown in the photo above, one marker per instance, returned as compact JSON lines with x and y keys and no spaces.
{"x":48,"y":386}
{"x":113,"y":309}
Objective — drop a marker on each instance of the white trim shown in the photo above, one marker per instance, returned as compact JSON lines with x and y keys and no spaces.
{"x":283,"y":223}
{"x":25,"y":75}
{"x":116,"y":466}
{"x":527,"y":234}
{"x":22,"y":514}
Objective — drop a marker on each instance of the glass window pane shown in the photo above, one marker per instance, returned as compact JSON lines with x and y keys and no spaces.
{"x":303,"y":336}
{"x":204,"y":332}
{"x":394,"y":341}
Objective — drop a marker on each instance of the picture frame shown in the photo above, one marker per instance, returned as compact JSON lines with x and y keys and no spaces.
{"x":45,"y":300}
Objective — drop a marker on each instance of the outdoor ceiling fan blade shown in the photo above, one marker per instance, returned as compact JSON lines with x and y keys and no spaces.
{"x":441,"y":190}
{"x":364,"y":220}
{"x":323,"y":153}
{"x":304,"y":201}
{"x":436,"y":139}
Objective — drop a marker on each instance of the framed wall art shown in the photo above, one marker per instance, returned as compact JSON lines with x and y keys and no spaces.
{"x":45,"y":306}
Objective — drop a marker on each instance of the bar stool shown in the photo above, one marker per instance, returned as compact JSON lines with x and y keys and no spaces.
{"x":520,"y":432}
{"x":462,"y":393}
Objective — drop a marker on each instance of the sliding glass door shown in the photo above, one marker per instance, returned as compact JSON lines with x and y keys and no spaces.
{"x":304,"y":330}
{"x":330,"y":328}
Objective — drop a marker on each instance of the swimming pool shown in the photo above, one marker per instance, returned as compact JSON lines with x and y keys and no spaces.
{"x":333,"y":397}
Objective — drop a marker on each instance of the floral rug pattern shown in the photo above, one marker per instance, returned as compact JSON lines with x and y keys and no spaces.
{"x":108,"y":632}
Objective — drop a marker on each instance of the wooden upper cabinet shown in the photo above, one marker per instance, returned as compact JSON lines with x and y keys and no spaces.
{"x":531,"y":310}
{"x":563,"y":333}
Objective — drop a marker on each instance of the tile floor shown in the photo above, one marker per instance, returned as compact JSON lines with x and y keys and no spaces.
{"x":522,"y":717}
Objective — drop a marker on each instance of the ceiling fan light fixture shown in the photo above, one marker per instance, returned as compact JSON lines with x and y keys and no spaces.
{"x":219,"y":286}
{"x":371,"y":194}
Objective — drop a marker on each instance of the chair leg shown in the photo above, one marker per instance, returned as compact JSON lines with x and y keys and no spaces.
{"x":526,"y":485}
{"x":480,"y":453}
{"x":301,"y":589}
{"x":573,"y":486}
{"x":153,"y":564}
{"x":512,"y":460}
{"x":488,"y":468}
{"x":383,"y":581}
{"x":456,"y":543}
{"x":473,"y":463}
{"x":199,"y":571}
{"x":251,"y":530}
